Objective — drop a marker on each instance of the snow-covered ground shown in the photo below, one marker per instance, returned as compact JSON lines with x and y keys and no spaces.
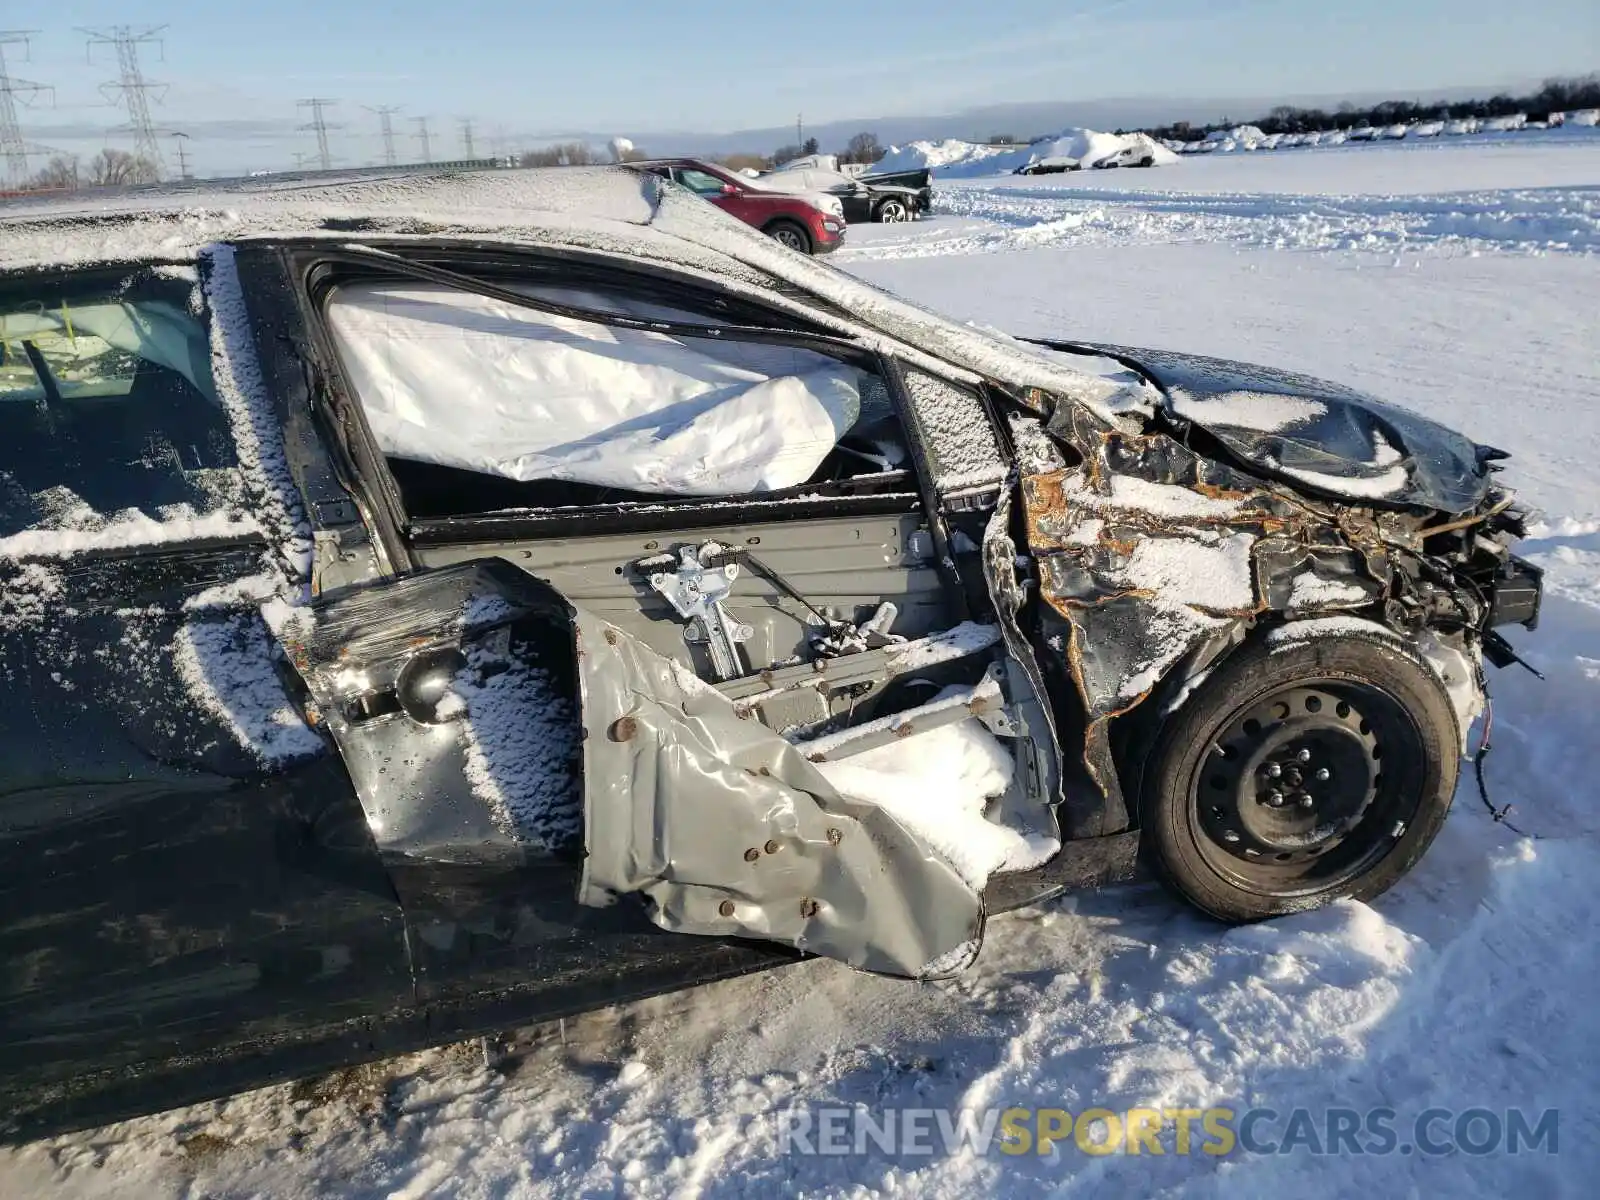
{"x":1450,"y":197}
{"x":1468,"y":986}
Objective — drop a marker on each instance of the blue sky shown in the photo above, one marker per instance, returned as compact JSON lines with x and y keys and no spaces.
{"x":634,"y":66}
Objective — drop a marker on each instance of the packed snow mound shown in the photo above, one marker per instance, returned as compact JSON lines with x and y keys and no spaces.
{"x":956,"y":159}
{"x":952,"y":152}
{"x":1085,"y":145}
{"x":1248,"y":136}
{"x":1159,"y":151}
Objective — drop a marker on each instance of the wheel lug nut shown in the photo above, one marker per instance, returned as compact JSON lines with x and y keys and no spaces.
{"x":1274,"y":770}
{"x":1304,"y":800}
{"x":1323,"y":774}
{"x":1274,"y":799}
{"x":1304,"y":756}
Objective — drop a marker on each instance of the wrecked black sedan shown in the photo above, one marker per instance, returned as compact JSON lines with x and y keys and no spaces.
{"x":433,"y":605}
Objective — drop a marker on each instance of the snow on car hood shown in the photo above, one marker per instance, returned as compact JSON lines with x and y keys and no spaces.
{"x":805,"y":180}
{"x":819,"y":194}
{"x":1313,"y":433}
{"x":810,"y":180}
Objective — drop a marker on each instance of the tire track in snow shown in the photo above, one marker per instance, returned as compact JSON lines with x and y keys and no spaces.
{"x":1524,"y":221}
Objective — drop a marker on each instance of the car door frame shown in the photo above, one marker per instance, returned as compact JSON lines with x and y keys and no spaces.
{"x":469,"y":923}
{"x":311,"y":267}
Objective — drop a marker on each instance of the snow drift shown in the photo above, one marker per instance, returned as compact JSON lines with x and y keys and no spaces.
{"x":954,"y":158}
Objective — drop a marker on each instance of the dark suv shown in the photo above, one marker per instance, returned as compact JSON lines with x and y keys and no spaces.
{"x":433,"y":605}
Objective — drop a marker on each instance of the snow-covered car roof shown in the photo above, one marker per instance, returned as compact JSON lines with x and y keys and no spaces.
{"x":175,"y":222}
{"x":609,"y":210}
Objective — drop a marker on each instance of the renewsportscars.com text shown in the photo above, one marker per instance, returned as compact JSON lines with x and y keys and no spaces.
{"x":1213,"y":1132}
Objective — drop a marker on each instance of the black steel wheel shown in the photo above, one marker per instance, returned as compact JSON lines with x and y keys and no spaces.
{"x":790,"y":234}
{"x":1296,"y":776}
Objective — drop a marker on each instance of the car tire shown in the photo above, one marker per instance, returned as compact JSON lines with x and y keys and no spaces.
{"x":791,"y":234}
{"x":1300,"y":773}
{"x":892,"y":211}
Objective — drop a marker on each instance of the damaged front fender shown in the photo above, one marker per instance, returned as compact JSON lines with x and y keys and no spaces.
{"x":1151,"y":556}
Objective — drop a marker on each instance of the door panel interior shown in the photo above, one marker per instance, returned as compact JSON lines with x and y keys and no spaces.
{"x":846,"y":567}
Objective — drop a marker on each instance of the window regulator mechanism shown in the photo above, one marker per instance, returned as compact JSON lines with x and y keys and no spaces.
{"x":696,"y":583}
{"x":699,"y":579}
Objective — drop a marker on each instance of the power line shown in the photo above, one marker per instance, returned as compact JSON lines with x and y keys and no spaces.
{"x":12,"y":144}
{"x":422,"y":138}
{"x":319,"y":124}
{"x":130,"y":86}
{"x":385,"y":119}
{"x":466,"y":138}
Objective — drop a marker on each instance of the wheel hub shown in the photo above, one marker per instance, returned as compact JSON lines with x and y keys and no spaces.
{"x":1290,"y":777}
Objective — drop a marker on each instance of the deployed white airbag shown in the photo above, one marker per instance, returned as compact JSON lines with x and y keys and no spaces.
{"x":464,"y":381}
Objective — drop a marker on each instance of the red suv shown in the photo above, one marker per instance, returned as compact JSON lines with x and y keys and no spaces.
{"x":800,"y":222}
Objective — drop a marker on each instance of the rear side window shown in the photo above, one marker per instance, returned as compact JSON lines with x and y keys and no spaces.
{"x":108,"y":412}
{"x":703,"y":182}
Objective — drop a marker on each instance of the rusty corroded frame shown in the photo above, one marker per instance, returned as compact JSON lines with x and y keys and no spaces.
{"x":1123,"y":643}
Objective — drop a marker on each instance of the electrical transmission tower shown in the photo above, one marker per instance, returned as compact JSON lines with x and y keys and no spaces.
{"x":319,"y":124}
{"x":181,"y":140}
{"x":422,"y":137}
{"x":466,"y":138}
{"x":12,"y":145}
{"x":130,"y":88}
{"x":385,"y":120}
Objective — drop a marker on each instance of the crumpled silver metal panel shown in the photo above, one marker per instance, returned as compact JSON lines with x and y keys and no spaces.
{"x":729,"y":831}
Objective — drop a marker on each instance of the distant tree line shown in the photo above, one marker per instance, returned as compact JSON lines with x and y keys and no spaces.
{"x":785,"y":154}
{"x":109,"y":168}
{"x":1557,"y":95}
{"x":117,"y":168}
